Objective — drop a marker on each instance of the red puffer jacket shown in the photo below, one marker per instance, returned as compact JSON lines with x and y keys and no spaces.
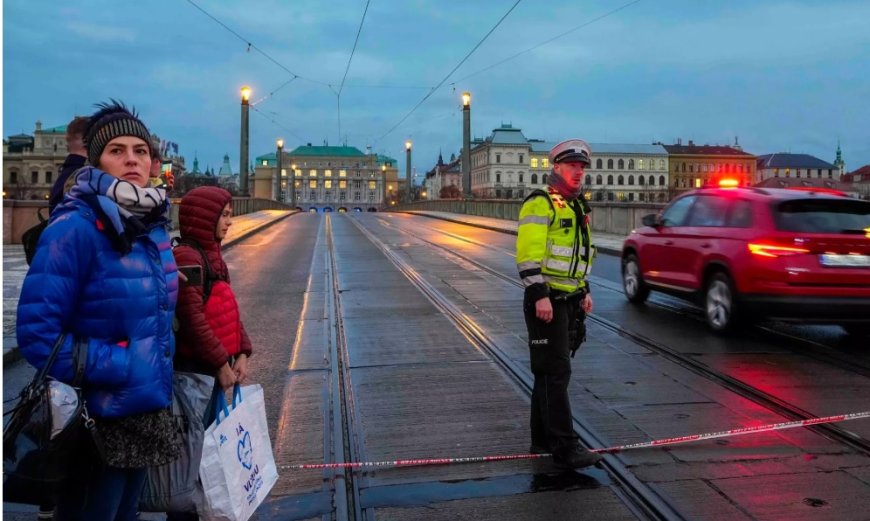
{"x":209,"y":332}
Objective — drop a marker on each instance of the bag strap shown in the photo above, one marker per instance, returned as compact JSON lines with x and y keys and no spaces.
{"x":210,"y":276}
{"x":42,"y":373}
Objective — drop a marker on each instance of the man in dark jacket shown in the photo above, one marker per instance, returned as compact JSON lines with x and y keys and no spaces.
{"x":77,"y":157}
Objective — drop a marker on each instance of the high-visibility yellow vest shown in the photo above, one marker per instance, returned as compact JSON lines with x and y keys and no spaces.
{"x":554,"y":246}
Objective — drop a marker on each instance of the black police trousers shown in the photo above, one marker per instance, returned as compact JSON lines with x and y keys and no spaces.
{"x":549,"y":353}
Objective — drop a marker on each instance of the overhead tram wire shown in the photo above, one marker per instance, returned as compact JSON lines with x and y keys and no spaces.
{"x":252,"y":46}
{"x":266,"y":97}
{"x":569,"y":31}
{"x":432,"y":91}
{"x":347,"y":68}
{"x":294,"y":134}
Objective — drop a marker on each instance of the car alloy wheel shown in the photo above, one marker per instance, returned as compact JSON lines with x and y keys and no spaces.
{"x":632,"y":281}
{"x":719,"y":304}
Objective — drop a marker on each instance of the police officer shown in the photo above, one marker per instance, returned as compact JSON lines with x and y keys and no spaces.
{"x":554,"y":252}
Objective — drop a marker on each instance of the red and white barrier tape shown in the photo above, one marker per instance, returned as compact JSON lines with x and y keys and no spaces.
{"x":618,"y":448}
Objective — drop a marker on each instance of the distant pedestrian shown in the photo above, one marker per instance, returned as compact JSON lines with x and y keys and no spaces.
{"x":104,"y":280}
{"x":77,"y":157}
{"x":554,"y":252}
{"x":212,"y":340}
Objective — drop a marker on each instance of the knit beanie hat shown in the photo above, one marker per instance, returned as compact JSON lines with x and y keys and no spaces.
{"x":110,"y":121}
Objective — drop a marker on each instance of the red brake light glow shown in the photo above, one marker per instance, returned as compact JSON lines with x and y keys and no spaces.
{"x":728,"y":183}
{"x":775,"y":250}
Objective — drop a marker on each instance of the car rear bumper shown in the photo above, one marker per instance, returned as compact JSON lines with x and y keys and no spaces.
{"x":819,"y":310}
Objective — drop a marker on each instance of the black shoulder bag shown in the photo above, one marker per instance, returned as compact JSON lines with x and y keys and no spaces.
{"x":44,"y":434}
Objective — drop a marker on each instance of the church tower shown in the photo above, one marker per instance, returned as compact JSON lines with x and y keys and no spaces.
{"x":839,"y":163}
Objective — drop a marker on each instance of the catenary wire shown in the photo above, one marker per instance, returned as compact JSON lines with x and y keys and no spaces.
{"x":569,"y":31}
{"x":433,"y":89}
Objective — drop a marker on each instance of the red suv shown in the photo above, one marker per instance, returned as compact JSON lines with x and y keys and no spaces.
{"x":785,"y":254}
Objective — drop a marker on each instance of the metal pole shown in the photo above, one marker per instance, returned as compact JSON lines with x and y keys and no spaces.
{"x":408,"y":169}
{"x":466,"y":145}
{"x":293,"y":185}
{"x":243,"y":154}
{"x":276,"y":179}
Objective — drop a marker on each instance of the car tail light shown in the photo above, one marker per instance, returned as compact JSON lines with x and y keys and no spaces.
{"x":774,"y":250}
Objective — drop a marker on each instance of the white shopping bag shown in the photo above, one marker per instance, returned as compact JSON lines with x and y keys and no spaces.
{"x":237,"y":468}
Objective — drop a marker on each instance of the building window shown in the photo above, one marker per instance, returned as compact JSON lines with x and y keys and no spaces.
{"x":697,"y":182}
{"x":610,"y":164}
{"x":545,"y":163}
{"x":818,"y":173}
{"x":610,"y":180}
{"x":830,"y":174}
{"x":312,"y":183}
{"x":265,"y":163}
{"x":342,"y":173}
{"x":630,"y":196}
{"x":498,"y":178}
{"x":521,"y":158}
{"x":34,"y":177}
{"x":598,"y":163}
{"x":589,"y":180}
{"x":373,"y":185}
{"x":631,"y":180}
{"x":312,"y":173}
{"x":13,"y":177}
{"x":652,"y":180}
{"x":620,"y":164}
{"x":776,"y":172}
{"x":356,"y":196}
{"x":620,"y":180}
{"x":534,"y":162}
{"x":327,"y":173}
{"x":342,"y":184}
{"x":498,"y":158}
{"x":631,"y":164}
{"x":691,"y":168}
{"x":534,"y":178}
{"x":521,"y":178}
{"x":598,"y":179}
{"x":640,"y":164}
{"x":639,"y":180}
{"x":544,"y":179}
{"x":327,"y":183}
{"x":661,"y":180}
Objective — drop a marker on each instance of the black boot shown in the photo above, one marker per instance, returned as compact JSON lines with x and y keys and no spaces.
{"x":575,"y":458}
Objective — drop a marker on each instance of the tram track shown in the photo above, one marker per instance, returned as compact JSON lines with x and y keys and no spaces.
{"x":640,"y":498}
{"x":811,"y":349}
{"x":738,"y":387}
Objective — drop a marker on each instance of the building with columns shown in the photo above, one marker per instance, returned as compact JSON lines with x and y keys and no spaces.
{"x":627,"y":173}
{"x":31,"y":163}
{"x":330,"y":178}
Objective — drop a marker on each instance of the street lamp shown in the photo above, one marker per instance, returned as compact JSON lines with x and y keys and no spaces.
{"x":466,"y":145}
{"x":275,"y":178}
{"x":293,"y":185}
{"x":243,"y":155}
{"x":408,"y":168}
{"x":384,"y":181}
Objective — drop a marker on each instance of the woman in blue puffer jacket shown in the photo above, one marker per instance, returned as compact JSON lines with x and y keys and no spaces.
{"x":105,"y":280}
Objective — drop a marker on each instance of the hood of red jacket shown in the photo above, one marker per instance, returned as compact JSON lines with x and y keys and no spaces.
{"x":199,"y":213}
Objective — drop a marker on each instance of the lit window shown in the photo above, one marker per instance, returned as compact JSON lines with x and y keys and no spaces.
{"x":342,"y":184}
{"x":545,"y":163}
{"x":265,"y":163}
{"x":373,"y":185}
{"x":327,"y":173}
{"x":297,"y":173}
{"x":534,"y":162}
{"x":312,"y":183}
{"x":327,"y":183}
{"x":342,"y":173}
{"x":312,"y":173}
{"x":697,"y":182}
{"x":283,"y":172}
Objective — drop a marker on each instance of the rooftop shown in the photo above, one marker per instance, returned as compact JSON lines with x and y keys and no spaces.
{"x":783,"y":160}
{"x":705,"y":150}
{"x":327,"y":151}
{"x":626,"y":148}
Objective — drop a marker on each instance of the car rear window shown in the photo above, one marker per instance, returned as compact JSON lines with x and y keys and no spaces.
{"x":823,"y":216}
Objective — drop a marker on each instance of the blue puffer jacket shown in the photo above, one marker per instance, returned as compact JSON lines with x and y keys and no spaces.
{"x":116,"y":309}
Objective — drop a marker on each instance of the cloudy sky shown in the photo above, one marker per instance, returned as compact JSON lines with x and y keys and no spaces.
{"x":784,"y":75}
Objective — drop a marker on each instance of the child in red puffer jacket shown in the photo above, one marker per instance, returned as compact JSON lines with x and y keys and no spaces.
{"x":211,"y":339}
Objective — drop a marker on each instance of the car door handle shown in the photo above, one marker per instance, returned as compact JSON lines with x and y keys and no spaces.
{"x":669,"y":243}
{"x":705,"y":244}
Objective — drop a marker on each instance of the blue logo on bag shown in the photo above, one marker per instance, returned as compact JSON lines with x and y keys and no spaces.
{"x":245,"y":451}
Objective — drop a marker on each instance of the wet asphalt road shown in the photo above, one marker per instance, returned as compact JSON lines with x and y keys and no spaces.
{"x":422,"y":391}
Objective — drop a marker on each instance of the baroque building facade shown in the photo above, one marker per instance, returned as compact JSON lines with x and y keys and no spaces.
{"x":330,"y":178}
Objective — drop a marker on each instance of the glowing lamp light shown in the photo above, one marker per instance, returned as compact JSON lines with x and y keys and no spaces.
{"x":466,"y":99}
{"x":280,"y":143}
{"x":729,"y":183}
{"x":408,"y":145}
{"x":246,"y":93}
